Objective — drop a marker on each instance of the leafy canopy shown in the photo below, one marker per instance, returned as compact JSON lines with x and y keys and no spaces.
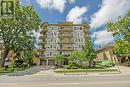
{"x":121,"y":31}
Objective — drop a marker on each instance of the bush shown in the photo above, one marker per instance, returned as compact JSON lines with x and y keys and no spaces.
{"x":129,"y":64}
{"x":67,"y":67}
{"x":11,"y":67}
{"x":85,"y":70}
{"x":72,"y":66}
{"x":2,"y":69}
{"x":106,"y":63}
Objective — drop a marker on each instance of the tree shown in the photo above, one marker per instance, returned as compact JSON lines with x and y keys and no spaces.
{"x":122,"y":48}
{"x":17,"y":33}
{"x":59,"y":59}
{"x":121,"y":31}
{"x":121,"y":27}
{"x":76,"y":57}
{"x":89,"y":52}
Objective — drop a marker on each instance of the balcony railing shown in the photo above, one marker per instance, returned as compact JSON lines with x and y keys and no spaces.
{"x":65,"y":36}
{"x":63,"y":42}
{"x":65,"y":49}
{"x":66,"y":30}
{"x":43,"y":31}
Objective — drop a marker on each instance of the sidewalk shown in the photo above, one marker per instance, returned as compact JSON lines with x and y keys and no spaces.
{"x":122,"y":70}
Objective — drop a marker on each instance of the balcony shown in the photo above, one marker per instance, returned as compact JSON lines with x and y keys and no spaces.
{"x":43,"y":37}
{"x":43,"y":31}
{"x":66,"y":30}
{"x":65,"y":36}
{"x":42,"y":56}
{"x":62,"y":42}
{"x":66,"y":49}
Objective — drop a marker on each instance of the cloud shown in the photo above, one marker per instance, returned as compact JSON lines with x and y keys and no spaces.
{"x":58,"y":5}
{"x":102,"y":37}
{"x":76,"y":14}
{"x":110,"y":11}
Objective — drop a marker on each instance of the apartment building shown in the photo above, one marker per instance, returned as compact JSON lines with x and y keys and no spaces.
{"x":63,"y":38}
{"x":107,"y":53}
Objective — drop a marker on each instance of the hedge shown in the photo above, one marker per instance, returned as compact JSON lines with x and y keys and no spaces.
{"x":84,"y":70}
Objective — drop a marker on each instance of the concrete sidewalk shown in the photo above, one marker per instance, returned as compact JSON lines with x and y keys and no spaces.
{"x":122,"y":70}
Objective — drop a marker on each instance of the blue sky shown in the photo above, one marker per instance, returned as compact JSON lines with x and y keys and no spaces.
{"x":96,"y":12}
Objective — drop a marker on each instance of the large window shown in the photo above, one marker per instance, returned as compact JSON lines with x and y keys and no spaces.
{"x":50,"y":54}
{"x":51,"y":46}
{"x":53,"y":28}
{"x":78,"y":40}
{"x":77,"y":28}
{"x":61,"y":28}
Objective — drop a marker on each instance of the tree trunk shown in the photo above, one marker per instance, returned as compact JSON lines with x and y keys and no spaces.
{"x":128,"y":59}
{"x":5,"y":53}
{"x":90,"y":63}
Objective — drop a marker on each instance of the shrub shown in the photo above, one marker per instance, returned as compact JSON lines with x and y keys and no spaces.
{"x":129,"y":64}
{"x":67,"y":67}
{"x":85,"y":70}
{"x":2,"y":69}
{"x":106,"y":63}
{"x":74,"y":67}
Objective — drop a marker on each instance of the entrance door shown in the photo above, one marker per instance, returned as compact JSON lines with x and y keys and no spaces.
{"x":51,"y":62}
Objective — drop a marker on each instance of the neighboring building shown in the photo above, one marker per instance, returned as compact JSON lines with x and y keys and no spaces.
{"x":107,"y":53}
{"x":63,"y":38}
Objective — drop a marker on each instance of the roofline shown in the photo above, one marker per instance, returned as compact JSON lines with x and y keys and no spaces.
{"x":104,"y":48}
{"x":65,"y":24}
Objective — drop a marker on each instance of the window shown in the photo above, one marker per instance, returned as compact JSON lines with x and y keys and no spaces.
{"x":54,"y":46}
{"x":61,"y":28}
{"x":60,"y":52}
{"x":61,"y":46}
{"x":81,"y":40}
{"x":50,"y":53}
{"x":55,"y":33}
{"x":74,"y":28}
{"x":80,"y":28}
{"x":80,"y":46}
{"x":51,"y":33}
{"x":49,"y":28}
{"x":51,"y":40}
{"x":81,"y":34}
{"x":61,"y":33}
{"x":50,"y":46}
{"x":56,"y":28}
{"x":78,"y":40}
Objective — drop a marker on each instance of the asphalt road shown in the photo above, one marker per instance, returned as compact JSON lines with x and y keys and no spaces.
{"x":66,"y":81}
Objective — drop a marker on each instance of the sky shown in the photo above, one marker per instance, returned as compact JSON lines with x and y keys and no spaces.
{"x":95,"y":12}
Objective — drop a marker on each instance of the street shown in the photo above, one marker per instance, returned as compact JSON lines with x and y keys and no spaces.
{"x":49,"y":78}
{"x":66,"y":81}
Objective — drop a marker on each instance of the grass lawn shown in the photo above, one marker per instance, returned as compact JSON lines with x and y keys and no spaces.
{"x":84,"y":70}
{"x":10,"y":70}
{"x":4,"y":71}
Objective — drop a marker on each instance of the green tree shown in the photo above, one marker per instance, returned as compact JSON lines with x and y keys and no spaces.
{"x":122,"y":48}
{"x":59,"y":59}
{"x":89,"y":52}
{"x":121,"y":31}
{"x":17,"y":34}
{"x":76,"y":57}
